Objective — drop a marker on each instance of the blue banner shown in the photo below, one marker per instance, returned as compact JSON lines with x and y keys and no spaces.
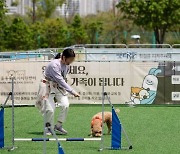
{"x":1,"y":128}
{"x":116,"y":131}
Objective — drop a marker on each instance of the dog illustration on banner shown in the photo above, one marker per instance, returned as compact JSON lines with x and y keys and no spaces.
{"x":147,"y":93}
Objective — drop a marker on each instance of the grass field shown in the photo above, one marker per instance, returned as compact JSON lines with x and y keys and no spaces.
{"x":152,"y":130}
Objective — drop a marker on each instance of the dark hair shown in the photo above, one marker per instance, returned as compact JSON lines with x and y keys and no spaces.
{"x":68,"y":52}
{"x":57,"y":56}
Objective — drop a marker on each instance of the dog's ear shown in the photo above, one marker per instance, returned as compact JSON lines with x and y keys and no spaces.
{"x":97,"y":117}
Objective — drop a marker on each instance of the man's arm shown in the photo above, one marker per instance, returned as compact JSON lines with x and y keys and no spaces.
{"x":57,"y":77}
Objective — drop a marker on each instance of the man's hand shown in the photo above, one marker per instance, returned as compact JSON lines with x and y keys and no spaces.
{"x":76,"y":95}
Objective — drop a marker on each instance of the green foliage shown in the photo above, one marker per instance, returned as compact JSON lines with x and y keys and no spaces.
{"x":38,"y":37}
{"x":77,"y":31}
{"x":158,"y":15}
{"x":55,"y":33}
{"x":52,"y":33}
{"x":94,"y":29}
{"x":48,"y":7}
{"x":2,"y":10}
{"x":2,"y":24}
{"x":145,"y":18}
{"x":43,"y":9}
{"x":18,"y":35}
{"x":113,"y":26}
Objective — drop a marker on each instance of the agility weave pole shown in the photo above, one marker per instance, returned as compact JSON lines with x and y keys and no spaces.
{"x":102,"y":136}
{"x":13,"y":132}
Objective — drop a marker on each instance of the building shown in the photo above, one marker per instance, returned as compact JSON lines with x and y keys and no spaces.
{"x":69,"y":8}
{"x":88,"y":7}
{"x":18,"y":6}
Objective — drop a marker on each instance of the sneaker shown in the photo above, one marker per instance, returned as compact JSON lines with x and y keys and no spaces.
{"x":48,"y":131}
{"x":60,"y":130}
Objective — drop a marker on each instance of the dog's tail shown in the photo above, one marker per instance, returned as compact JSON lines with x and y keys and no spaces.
{"x":117,"y":110}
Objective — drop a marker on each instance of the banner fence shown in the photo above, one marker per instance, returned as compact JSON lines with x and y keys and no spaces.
{"x":125,"y":82}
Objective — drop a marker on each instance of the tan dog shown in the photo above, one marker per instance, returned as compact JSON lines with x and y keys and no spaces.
{"x":96,"y":123}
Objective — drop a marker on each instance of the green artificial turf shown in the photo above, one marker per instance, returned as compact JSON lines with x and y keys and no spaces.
{"x":152,"y":130}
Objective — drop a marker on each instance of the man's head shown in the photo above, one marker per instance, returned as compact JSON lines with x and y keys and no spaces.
{"x":67,"y":56}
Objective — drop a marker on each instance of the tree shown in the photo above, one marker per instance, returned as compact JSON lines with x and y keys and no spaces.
{"x":2,"y":24}
{"x":19,"y":36}
{"x":52,"y":33}
{"x":38,"y":36}
{"x":158,"y":15}
{"x":2,"y":10}
{"x":34,"y":11}
{"x":56,"y":34}
{"x":43,"y":8}
{"x":113,"y":25}
{"x":49,"y":6}
{"x":71,"y":9}
{"x":94,"y":29}
{"x":77,"y":31}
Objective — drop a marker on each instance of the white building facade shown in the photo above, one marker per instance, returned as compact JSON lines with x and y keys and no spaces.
{"x":81,"y":7}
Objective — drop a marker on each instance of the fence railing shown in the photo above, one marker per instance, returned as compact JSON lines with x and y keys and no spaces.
{"x":102,"y":52}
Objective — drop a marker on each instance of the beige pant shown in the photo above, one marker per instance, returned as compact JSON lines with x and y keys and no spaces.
{"x":62,"y":100}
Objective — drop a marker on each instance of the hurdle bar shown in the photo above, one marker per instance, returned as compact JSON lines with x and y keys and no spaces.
{"x":59,"y":139}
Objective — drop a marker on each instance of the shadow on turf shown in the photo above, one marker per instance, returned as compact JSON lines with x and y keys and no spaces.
{"x":39,"y":133}
{"x":36,"y":133}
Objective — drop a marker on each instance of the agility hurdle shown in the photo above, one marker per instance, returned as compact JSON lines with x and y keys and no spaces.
{"x":44,"y":139}
{"x":59,"y":139}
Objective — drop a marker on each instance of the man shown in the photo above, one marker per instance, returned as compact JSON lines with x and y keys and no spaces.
{"x":55,"y":73}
